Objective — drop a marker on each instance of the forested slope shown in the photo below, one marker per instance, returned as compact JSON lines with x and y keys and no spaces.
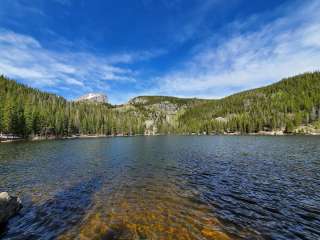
{"x":284,"y":106}
{"x":26,"y":111}
{"x":287,"y":104}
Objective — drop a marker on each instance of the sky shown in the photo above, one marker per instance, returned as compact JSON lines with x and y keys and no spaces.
{"x":183,"y":48}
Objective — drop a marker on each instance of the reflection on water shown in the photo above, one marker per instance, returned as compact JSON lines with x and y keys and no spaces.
{"x":165,"y":188}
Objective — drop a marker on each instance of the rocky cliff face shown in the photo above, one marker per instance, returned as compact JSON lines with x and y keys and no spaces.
{"x":93,"y":97}
{"x":138,"y":100}
{"x":160,"y":112}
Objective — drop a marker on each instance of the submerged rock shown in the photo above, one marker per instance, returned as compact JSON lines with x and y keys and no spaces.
{"x":9,"y":206}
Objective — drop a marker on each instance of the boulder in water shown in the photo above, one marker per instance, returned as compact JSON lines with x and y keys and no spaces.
{"x":9,"y":206}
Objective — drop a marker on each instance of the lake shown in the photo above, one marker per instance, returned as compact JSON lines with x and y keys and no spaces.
{"x":164,"y":187}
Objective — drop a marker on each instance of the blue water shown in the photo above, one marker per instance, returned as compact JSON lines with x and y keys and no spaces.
{"x":165,"y":187}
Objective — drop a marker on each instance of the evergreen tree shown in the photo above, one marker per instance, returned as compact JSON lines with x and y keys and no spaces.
{"x":284,"y":105}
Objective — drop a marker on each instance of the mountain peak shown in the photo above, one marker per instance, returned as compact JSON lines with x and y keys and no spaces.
{"x":93,"y":97}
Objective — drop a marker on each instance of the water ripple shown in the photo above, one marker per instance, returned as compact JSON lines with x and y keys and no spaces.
{"x":165,"y":188}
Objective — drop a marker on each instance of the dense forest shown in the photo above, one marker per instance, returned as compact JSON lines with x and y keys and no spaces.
{"x":26,"y":111}
{"x":285,"y":105}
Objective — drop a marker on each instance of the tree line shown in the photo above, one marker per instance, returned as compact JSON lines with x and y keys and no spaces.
{"x":285,"y":105}
{"x":26,"y":111}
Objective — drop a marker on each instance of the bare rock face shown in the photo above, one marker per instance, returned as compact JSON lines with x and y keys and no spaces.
{"x":9,"y":206}
{"x":166,"y":106}
{"x":138,"y":100}
{"x":93,"y":97}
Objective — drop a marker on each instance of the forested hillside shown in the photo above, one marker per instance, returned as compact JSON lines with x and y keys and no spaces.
{"x":26,"y":111}
{"x":284,"y":106}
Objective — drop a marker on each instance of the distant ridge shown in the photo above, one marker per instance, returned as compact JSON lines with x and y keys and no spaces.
{"x":93,"y":97}
{"x":291,"y":106}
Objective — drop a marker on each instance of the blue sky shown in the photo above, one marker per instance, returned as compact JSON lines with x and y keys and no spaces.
{"x":185,"y":48}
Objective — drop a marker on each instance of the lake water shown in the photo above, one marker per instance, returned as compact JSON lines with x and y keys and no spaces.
{"x":166,"y":187}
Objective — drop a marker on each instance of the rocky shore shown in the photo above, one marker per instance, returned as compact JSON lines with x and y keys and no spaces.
{"x":9,"y":207}
{"x":307,"y":131}
{"x":52,"y":137}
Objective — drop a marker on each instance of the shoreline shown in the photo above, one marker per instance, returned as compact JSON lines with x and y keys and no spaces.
{"x":42,"y":138}
{"x":35,"y":139}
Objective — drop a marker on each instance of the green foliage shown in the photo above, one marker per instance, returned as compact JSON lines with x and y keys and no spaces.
{"x":289,"y":127}
{"x":26,"y":111}
{"x":149,"y":100}
{"x":317,"y":124}
{"x":288,"y":103}
{"x":284,"y":105}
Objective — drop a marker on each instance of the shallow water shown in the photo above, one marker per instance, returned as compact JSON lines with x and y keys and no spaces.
{"x":171,"y":187}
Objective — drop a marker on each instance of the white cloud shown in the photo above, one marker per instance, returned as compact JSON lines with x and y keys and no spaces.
{"x":135,"y":56}
{"x":73,"y":81}
{"x":218,"y":66}
{"x":24,"y":58}
{"x":287,"y":46}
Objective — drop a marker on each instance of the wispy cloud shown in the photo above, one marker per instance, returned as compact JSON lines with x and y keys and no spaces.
{"x":286,"y":46}
{"x":24,"y":58}
{"x":246,"y":53}
{"x":131,"y":57}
